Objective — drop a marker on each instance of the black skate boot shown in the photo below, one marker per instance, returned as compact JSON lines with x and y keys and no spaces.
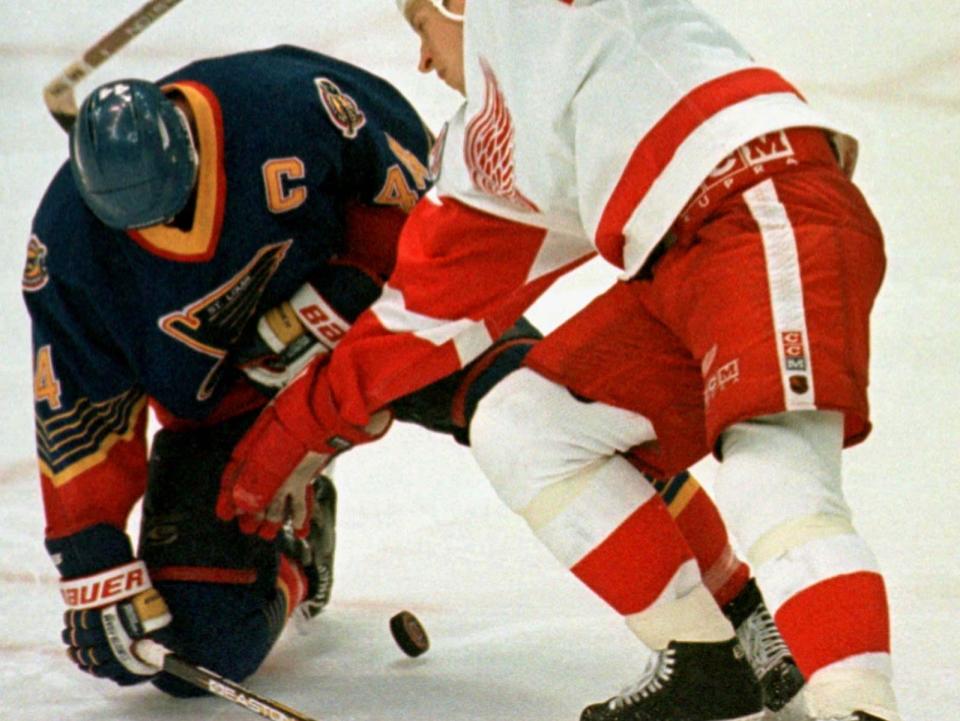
{"x":855,"y":716}
{"x":315,"y":552}
{"x":767,"y":652}
{"x":688,"y":682}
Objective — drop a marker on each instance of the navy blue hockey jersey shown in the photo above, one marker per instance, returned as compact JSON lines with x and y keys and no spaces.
{"x":291,"y":143}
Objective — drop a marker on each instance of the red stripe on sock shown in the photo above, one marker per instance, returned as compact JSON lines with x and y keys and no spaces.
{"x":837,"y":618}
{"x":700,"y":523}
{"x":292,"y":583}
{"x":632,"y":566}
{"x":729,"y":590}
{"x":203,"y":574}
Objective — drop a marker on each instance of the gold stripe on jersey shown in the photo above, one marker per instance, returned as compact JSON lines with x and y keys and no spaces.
{"x":678,"y":492}
{"x":75,"y":441}
{"x":199,"y":242}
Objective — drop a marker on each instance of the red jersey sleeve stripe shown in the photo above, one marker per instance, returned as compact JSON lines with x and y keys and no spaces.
{"x":657,"y":148}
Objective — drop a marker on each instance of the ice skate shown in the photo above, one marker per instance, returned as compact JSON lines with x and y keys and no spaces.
{"x":688,"y":682}
{"x":767,"y":652}
{"x":315,"y":553}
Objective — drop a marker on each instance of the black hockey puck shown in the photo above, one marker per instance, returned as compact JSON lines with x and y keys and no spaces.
{"x":409,"y":634}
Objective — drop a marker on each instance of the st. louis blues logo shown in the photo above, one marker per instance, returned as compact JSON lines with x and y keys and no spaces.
{"x":35,"y":274}
{"x":213,"y":323}
{"x":341,"y":108}
{"x":488,"y":146}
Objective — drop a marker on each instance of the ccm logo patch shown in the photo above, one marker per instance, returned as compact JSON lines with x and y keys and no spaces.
{"x":794,"y":356}
{"x":725,"y":375}
{"x":105,"y":588}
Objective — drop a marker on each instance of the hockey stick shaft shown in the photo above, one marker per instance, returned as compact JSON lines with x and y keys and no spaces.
{"x":58,"y":94}
{"x":161,"y":657}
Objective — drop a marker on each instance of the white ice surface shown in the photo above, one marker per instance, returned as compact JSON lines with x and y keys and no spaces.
{"x":514,"y":636}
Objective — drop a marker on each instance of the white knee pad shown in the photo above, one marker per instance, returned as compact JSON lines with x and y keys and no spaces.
{"x":555,"y":460}
{"x":779,"y":484}
{"x":779,"y":492}
{"x":530,"y":433}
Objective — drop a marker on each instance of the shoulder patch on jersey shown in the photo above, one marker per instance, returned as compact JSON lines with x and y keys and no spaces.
{"x":342,"y":109}
{"x":35,"y":274}
{"x":488,"y":146}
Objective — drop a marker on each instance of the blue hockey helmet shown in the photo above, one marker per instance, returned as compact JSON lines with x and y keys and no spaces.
{"x":132,"y":155}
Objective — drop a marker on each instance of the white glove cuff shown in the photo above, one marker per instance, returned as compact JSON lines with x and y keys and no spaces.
{"x":106,"y":587}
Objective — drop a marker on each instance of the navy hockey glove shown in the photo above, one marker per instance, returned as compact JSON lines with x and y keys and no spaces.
{"x":107,"y":614}
{"x":311,"y":323}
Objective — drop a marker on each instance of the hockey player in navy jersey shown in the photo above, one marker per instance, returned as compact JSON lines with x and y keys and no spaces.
{"x":211,"y":234}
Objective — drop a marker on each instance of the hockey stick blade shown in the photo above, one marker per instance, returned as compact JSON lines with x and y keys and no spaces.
{"x":163,"y":658}
{"x":58,"y":93}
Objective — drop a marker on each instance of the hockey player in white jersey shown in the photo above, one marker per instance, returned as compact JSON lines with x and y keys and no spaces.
{"x":642,"y":131}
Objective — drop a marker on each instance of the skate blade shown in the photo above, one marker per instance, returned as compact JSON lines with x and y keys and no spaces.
{"x":795,"y":710}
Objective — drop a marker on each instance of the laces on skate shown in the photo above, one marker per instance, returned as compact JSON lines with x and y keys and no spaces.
{"x":655,"y":675}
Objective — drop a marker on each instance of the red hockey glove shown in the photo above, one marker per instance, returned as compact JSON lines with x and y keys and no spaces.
{"x":267,"y":480}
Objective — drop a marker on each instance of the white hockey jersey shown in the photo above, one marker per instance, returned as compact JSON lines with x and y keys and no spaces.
{"x":601,"y":118}
{"x":587,"y":128}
